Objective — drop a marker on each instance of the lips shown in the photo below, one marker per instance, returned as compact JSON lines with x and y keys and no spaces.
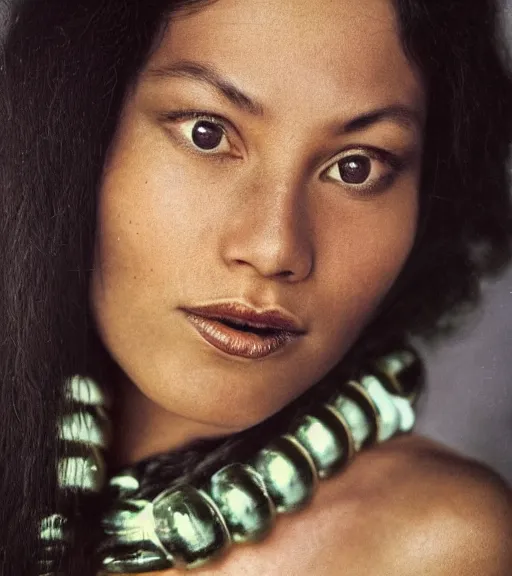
{"x":243,"y":331}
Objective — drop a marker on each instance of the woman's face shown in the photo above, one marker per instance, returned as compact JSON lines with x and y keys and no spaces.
{"x":295,"y":188}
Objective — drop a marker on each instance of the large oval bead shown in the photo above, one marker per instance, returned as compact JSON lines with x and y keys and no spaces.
{"x":288,"y":472}
{"x":244,"y":502}
{"x":135,"y":560}
{"x":83,"y":469}
{"x":131,"y":521}
{"x":124,"y":484}
{"x":327,"y":438}
{"x":84,"y":390}
{"x":395,"y":412}
{"x":401,"y":373}
{"x":84,"y":427}
{"x":190,"y":526}
{"x":357,"y":419}
{"x":355,"y":392}
{"x":54,"y":528}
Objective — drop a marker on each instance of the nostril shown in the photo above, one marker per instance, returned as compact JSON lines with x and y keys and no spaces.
{"x":285,"y":273}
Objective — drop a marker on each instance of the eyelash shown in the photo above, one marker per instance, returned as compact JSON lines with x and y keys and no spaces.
{"x":395,"y":163}
{"x":201,"y":115}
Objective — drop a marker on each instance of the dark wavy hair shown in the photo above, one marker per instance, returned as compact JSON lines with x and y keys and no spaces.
{"x":65,"y":69}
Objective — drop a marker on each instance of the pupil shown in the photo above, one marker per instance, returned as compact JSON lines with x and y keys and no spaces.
{"x":355,"y":169}
{"x":207,"y":135}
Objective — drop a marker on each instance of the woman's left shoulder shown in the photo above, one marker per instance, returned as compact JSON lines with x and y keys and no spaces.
{"x":450,"y":512}
{"x":447,"y":476}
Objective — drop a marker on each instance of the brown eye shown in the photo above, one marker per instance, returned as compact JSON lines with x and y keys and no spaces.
{"x":354,"y":169}
{"x":364,"y":170}
{"x":207,"y":135}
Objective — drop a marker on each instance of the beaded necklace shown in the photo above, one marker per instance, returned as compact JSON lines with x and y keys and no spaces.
{"x":189,"y":526}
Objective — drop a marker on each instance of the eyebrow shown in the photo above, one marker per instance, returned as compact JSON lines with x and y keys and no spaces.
{"x":400,"y":114}
{"x":207,"y":73}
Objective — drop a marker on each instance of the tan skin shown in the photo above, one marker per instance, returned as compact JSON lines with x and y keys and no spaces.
{"x":270,"y":216}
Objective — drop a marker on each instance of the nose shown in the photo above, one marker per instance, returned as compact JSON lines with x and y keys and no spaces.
{"x":269,"y":229}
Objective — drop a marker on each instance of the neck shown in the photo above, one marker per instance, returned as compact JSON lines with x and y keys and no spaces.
{"x":142,"y":428}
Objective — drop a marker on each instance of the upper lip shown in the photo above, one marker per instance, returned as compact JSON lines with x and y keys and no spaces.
{"x":269,"y":318}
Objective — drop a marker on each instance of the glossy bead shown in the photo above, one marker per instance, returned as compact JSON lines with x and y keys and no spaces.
{"x":401,"y":373}
{"x":134,"y":560}
{"x":395,"y":413}
{"x":86,"y":391}
{"x":124,"y":484}
{"x":356,"y":418}
{"x":83,"y":427}
{"x":54,"y":528}
{"x":327,"y":438}
{"x":83,"y":471}
{"x":358,"y":394}
{"x":288,"y":472}
{"x":244,"y":502}
{"x":190,"y":526}
{"x":132,"y":520}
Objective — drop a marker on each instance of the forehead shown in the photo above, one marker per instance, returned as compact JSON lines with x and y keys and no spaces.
{"x":329,"y":53}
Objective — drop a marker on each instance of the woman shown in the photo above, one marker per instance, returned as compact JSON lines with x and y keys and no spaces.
{"x":220,"y":210}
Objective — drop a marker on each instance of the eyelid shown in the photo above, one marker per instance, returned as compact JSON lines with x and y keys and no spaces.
{"x":226,"y":125}
{"x":395,"y":163}
{"x":203,"y":114}
{"x":372,"y":152}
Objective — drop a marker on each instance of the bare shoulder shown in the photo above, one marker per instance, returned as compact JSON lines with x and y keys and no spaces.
{"x":423,"y":508}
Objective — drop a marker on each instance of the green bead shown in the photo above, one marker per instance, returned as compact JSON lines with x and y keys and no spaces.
{"x":135,"y":561}
{"x":401,"y":373}
{"x":395,"y":412}
{"x":190,"y":526}
{"x":358,"y":395}
{"x":54,"y":528}
{"x":124,"y":484}
{"x":288,"y":472}
{"x":84,"y":427}
{"x":84,"y":390}
{"x":325,"y":436}
{"x":356,"y":418}
{"x":131,"y":544}
{"x":84,"y":469}
{"x":132,"y":521}
{"x":244,"y":502}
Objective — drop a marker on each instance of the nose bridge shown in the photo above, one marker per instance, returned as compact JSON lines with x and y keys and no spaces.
{"x":270,"y":228}
{"x":279,"y":198}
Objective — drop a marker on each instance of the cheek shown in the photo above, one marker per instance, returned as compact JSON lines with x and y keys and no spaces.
{"x":152,"y":239}
{"x":141,"y":216}
{"x":362,"y":263}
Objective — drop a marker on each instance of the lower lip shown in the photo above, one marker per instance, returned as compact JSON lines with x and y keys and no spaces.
{"x":237,"y":343}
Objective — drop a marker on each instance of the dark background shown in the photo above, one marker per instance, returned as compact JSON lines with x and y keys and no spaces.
{"x":468,"y":403}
